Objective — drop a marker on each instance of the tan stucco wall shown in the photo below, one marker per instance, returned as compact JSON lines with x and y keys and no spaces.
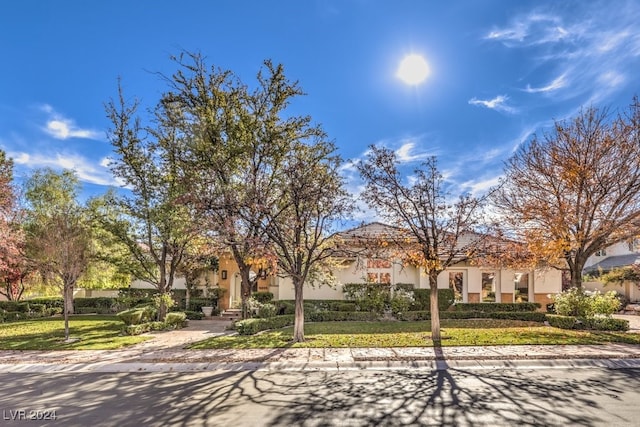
{"x":473,"y":297}
{"x":506,"y":297}
{"x":543,"y":300}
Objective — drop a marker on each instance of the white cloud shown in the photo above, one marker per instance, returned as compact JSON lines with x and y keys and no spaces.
{"x":406,"y":154}
{"x":558,"y":83}
{"x":498,"y":103}
{"x":85,"y":169}
{"x":60,"y":127}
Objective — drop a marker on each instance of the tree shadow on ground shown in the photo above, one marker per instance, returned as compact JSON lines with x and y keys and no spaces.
{"x":326,"y":398}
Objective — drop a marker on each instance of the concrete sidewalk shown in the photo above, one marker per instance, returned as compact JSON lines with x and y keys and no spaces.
{"x":166,"y":351}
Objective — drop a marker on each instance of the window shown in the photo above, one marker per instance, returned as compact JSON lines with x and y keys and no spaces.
{"x":378,"y":263}
{"x":456,"y":281}
{"x":379,"y":271}
{"x":488,"y":287}
{"x":521,"y":287}
{"x":601,"y":252}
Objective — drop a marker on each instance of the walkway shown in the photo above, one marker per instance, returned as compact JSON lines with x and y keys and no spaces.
{"x":166,"y":352}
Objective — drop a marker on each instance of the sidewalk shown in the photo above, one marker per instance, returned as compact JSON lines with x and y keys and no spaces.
{"x":165,"y":352}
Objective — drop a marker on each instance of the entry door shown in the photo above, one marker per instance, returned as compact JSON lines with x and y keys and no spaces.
{"x":235,"y":296}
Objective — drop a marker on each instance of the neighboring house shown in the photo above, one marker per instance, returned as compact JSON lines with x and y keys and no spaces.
{"x":470,"y":283}
{"x":620,"y":255}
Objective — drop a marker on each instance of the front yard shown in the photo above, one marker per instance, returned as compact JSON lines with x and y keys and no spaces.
{"x":92,"y":332}
{"x":416,"y":334}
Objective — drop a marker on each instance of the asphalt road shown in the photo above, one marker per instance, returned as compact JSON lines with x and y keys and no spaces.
{"x":560,"y":396}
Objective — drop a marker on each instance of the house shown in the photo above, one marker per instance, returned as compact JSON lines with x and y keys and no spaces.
{"x":620,"y":255}
{"x":470,"y":283}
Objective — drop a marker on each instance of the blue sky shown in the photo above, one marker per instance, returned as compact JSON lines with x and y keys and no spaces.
{"x":500,"y":71}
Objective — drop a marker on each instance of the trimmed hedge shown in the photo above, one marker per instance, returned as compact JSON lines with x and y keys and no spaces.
{"x":262,"y":297}
{"x":492,"y":307}
{"x":18,"y":306}
{"x":508,"y":315}
{"x":422,"y":299}
{"x":136,"y":316}
{"x":253,"y":326}
{"x":176,"y":319}
{"x":194,"y":315}
{"x":102,"y":305}
{"x":340,"y":316}
{"x":591,"y":323}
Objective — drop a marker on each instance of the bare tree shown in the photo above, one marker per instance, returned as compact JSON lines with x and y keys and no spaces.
{"x":576,"y":189}
{"x":434,"y":233}
{"x":311,"y":202}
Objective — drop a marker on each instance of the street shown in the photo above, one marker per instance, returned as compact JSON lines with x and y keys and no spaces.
{"x":537,"y":396}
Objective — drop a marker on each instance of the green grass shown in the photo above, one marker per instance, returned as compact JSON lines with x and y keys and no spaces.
{"x":92,"y":332}
{"x":417,"y":334}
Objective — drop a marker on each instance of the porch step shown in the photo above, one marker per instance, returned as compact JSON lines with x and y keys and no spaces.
{"x":231,"y":314}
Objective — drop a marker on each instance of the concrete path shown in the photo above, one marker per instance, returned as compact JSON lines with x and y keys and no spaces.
{"x":166,"y":352}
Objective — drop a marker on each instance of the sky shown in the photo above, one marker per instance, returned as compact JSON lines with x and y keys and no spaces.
{"x":500,"y":72}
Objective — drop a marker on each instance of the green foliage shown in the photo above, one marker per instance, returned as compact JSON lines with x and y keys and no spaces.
{"x":374,"y":297}
{"x":253,"y":326}
{"x":164,"y":299}
{"x":17,"y":306}
{"x":196,"y":304}
{"x":345,"y":306}
{"x":194,"y":315}
{"x":580,"y":303}
{"x":136,"y":316}
{"x":591,"y":323}
{"x":489,"y":307}
{"x":176,"y":319}
{"x":340,"y":316}
{"x":422,"y":299}
{"x":619,"y":275}
{"x":529,"y":316}
{"x":401,"y":301}
{"x":262,"y":297}
{"x":100,"y":305}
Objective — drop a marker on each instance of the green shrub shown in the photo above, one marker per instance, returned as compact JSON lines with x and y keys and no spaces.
{"x":100,"y":304}
{"x":253,"y":326}
{"x":38,"y":309}
{"x":413,"y":316}
{"x":404,"y":286}
{"x":581,"y":303}
{"x":267,"y":310}
{"x":176,"y":319}
{"x":52,"y":311}
{"x":606,"y":324}
{"x":49,"y":302}
{"x":492,"y":307}
{"x":401,"y":301}
{"x":137,"y":329}
{"x":263,"y":297}
{"x":345,"y":306}
{"x":194,"y":315}
{"x":341,"y":316}
{"x":86,"y":310}
{"x":562,"y":322}
{"x":196,"y":304}
{"x":286,"y":307}
{"x":136,"y":316}
{"x":373,"y":297}
{"x":15,"y":315}
{"x":528,"y":316}
{"x":422,"y":299}
{"x":17,"y":306}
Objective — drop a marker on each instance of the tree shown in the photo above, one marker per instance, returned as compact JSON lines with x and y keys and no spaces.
{"x":151,"y":221}
{"x":58,"y":236}
{"x":235,"y":143}
{"x":14,"y":267}
{"x":576,"y":189}
{"x":434,"y":233}
{"x":310,"y":203}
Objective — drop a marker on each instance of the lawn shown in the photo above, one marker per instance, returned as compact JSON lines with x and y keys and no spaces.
{"x":92,"y":332}
{"x":416,"y":334}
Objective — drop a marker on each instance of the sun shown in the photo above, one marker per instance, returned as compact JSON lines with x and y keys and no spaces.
{"x":413,"y":69}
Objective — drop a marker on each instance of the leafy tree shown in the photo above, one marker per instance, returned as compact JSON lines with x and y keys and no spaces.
{"x":150,"y":220}
{"x":310,"y":202}
{"x":58,"y":234}
{"x":434,"y":232}
{"x":14,"y":267}
{"x":237,"y":142}
{"x":576,"y":189}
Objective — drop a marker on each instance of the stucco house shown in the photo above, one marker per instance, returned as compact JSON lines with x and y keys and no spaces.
{"x":470,"y":283}
{"x":620,"y":255}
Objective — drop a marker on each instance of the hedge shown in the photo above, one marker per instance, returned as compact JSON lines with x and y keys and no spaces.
{"x":262,"y":297}
{"x":136,"y":316}
{"x":422,"y":299}
{"x":592,"y":323}
{"x":492,"y":307}
{"x":253,"y":326}
{"x":194,"y":315}
{"x":19,"y":306}
{"x":340,"y":316}
{"x":509,"y":315}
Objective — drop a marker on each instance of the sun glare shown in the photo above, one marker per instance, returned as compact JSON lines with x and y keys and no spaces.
{"x":413,"y":69}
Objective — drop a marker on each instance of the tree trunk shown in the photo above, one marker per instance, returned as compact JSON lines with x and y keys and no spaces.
{"x":433,"y":306}
{"x":576,"y":274}
{"x":245,"y":290}
{"x":298,"y":326}
{"x":67,"y":297}
{"x":187,"y":296}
